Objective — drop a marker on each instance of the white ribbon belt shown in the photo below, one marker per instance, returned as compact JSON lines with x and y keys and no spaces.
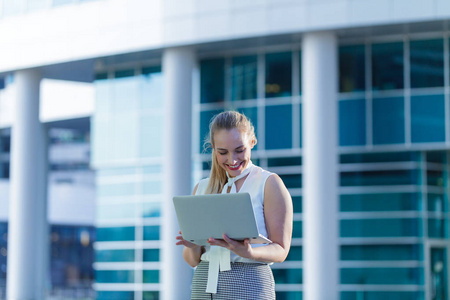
{"x":219,"y":259}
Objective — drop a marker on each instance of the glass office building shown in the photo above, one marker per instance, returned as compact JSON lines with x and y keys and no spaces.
{"x":393,"y":162}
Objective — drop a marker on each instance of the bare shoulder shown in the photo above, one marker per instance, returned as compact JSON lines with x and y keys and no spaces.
{"x":274,"y":184}
{"x":275,"y":188}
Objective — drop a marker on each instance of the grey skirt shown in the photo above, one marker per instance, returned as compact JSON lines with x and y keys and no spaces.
{"x":245,"y":281}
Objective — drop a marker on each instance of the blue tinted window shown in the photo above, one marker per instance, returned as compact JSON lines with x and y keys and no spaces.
{"x":427,"y":63}
{"x":243,"y":77}
{"x":114,"y":255}
{"x":295,"y":253}
{"x":297,"y":203}
{"x":278,"y":74}
{"x":387,"y":66}
{"x":352,"y":122}
{"x":283,"y":295}
{"x":371,"y":178}
{"x":437,"y":227}
{"x":388,"y":121}
{"x":437,"y":203}
{"x":367,"y":295}
{"x":115,"y":234}
{"x":205,"y":119}
{"x":380,"y":202}
{"x":278,"y":127}
{"x":382,"y":252}
{"x":382,"y":276}
{"x":428,"y":118}
{"x":381,"y":228}
{"x":151,"y":255}
{"x":150,"y":296}
{"x":116,"y":295}
{"x":297,"y":230}
{"x":283,"y":276}
{"x":352,"y":63}
{"x":212,"y":78}
{"x":292,"y":180}
{"x":150,"y":276}
{"x":151,"y":232}
{"x":116,"y":276}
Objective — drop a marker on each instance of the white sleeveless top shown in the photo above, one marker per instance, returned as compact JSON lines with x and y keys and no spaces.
{"x":254,"y":184}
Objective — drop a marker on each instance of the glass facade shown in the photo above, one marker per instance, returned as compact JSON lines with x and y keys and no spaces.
{"x":393,"y":193}
{"x":393,"y":130}
{"x":126,"y":152}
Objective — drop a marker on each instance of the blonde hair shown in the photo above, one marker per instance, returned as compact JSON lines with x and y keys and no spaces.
{"x":226,"y":120}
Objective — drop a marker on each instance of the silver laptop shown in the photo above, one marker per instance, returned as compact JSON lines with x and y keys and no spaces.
{"x":203,"y":216}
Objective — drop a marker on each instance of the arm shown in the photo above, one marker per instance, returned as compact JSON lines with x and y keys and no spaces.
{"x":191,"y":252}
{"x":278,"y":214}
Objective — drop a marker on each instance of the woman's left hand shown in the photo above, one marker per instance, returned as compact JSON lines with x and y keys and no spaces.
{"x":243,"y":249}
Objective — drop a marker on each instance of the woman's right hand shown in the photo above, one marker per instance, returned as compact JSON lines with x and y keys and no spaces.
{"x":182,"y":241}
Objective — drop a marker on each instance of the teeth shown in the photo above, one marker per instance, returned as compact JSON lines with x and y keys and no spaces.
{"x":235,"y":166}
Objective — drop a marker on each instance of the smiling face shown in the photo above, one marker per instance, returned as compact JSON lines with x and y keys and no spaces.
{"x":233,"y":150}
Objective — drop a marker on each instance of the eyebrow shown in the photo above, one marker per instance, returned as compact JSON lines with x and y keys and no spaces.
{"x":222,"y":149}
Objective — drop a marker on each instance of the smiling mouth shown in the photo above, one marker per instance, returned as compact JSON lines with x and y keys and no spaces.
{"x":234,"y":167}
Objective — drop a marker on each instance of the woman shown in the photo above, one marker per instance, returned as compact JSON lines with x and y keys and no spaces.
{"x":248,"y":276}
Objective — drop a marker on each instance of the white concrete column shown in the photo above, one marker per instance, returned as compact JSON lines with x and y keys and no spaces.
{"x":27,"y":238}
{"x":177,"y":65}
{"x":320,"y":167}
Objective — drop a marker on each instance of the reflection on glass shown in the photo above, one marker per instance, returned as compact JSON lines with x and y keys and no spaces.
{"x":439,"y":273}
{"x":427,"y":63}
{"x":212,"y":80}
{"x":428,"y":118}
{"x":388,"y":120}
{"x":243,"y":77}
{"x":387,"y":66}
{"x":352,"y":68}
{"x":278,"y":74}
{"x":352,"y":122}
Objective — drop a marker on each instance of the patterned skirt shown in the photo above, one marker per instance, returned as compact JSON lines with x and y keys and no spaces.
{"x":245,"y":281}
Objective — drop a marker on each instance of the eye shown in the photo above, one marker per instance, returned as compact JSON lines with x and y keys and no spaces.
{"x":222,"y":153}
